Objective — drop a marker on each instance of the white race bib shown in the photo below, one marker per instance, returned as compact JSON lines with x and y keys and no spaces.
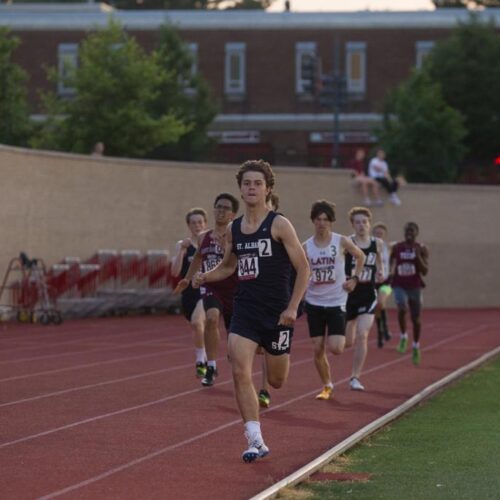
{"x":248,"y":267}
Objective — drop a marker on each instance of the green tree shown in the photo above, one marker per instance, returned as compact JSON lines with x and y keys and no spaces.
{"x":117,"y":89}
{"x":186,"y":95}
{"x":467,"y":67}
{"x":465,"y":3}
{"x":422,"y":135}
{"x":14,"y":114}
{"x":191,"y":4}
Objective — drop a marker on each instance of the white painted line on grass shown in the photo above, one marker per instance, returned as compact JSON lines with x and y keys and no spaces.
{"x":321,"y":461}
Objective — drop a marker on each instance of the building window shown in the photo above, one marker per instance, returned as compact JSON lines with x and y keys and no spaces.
{"x":192,"y":50}
{"x":305,"y":64}
{"x":234,"y":76}
{"x":422,"y":50}
{"x":67,"y":62}
{"x":356,"y":67}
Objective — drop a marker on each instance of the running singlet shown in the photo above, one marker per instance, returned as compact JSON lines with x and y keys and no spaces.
{"x":211,"y":254}
{"x":186,"y":262}
{"x":328,"y":273}
{"x":263,"y":273}
{"x":385,"y":259}
{"x":407,"y":273}
{"x":366,"y":285}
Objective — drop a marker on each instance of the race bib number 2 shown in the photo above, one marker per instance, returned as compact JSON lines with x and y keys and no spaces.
{"x":248,"y":267}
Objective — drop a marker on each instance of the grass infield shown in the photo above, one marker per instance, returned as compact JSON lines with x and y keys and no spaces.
{"x":447,"y":448}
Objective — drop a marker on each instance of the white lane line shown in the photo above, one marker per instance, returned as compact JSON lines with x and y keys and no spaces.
{"x":97,"y":363}
{"x":312,"y":467}
{"x":139,"y":460}
{"x":71,"y":353}
{"x":107,"y":382}
{"x":100,"y":384}
{"x":225,"y":426}
{"x":140,"y":332}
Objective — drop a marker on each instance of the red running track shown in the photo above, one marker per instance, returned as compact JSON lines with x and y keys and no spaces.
{"x":110,"y":408}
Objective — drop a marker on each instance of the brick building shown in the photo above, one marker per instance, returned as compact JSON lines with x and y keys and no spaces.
{"x":258,"y":65}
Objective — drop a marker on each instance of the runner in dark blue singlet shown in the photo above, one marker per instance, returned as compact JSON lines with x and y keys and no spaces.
{"x":192,"y":305}
{"x":218,"y":296}
{"x":262,"y":245}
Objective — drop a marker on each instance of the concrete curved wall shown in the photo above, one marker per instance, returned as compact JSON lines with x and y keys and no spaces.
{"x":55,"y":205}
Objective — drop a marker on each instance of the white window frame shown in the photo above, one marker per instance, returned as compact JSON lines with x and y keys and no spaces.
{"x":422,"y":49}
{"x":65,"y":52}
{"x":355,"y":86}
{"x":236,"y":86}
{"x":302,"y":50}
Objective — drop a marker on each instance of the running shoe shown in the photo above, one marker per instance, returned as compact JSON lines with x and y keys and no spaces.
{"x":356,"y":385}
{"x":394,"y":199}
{"x":415,"y":357}
{"x":201,"y":369}
{"x":326,"y":393}
{"x":256,"y":449}
{"x":403,"y":345}
{"x":264,"y":399}
{"x":209,"y":378}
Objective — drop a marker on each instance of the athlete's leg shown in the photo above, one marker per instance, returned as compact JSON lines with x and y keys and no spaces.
{"x":212,"y":334}
{"x":198,"y":319}
{"x":401,"y":299}
{"x":242,"y":352}
{"x":321,"y":360}
{"x":265,"y":388}
{"x":350,"y":333}
{"x":415,"y":305}
{"x":197,"y":322}
{"x":336,"y":344}
{"x":212,"y":337}
{"x":363,"y":325}
{"x":380,"y":315}
{"x":277,"y":369}
{"x":402,"y":318}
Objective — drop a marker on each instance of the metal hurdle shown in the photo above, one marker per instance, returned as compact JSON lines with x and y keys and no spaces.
{"x":160,"y":283}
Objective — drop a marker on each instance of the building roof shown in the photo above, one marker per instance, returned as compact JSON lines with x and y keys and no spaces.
{"x":88,"y":15}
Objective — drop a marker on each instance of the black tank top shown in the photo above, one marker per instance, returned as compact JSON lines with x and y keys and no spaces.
{"x":186,"y":262}
{"x":366,"y":283}
{"x":263,"y":273}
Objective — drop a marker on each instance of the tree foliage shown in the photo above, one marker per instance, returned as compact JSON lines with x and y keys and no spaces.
{"x":191,"y":4}
{"x":186,"y":95}
{"x":14,"y":115}
{"x":422,"y":134}
{"x":467,"y":67}
{"x":117,"y":93}
{"x":440,"y":4}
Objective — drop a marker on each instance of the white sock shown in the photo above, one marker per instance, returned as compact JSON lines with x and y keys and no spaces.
{"x":404,"y":335}
{"x":212,"y":363}
{"x":416,"y":345}
{"x":252,"y":428}
{"x":201,"y":355}
{"x":330,"y":385}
